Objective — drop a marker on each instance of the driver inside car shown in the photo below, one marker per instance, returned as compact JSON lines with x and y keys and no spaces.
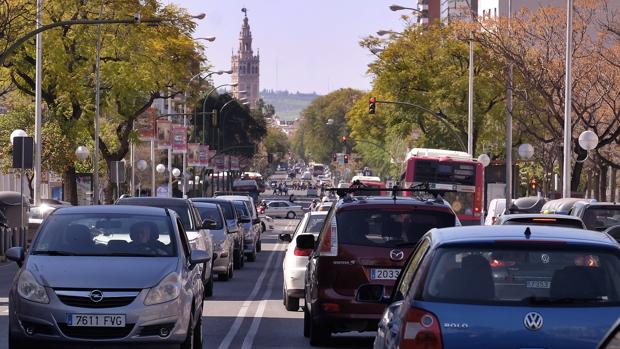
{"x":145,"y":235}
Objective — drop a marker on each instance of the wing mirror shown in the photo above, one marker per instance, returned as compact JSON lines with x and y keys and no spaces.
{"x":199,"y":257}
{"x":209,"y":224}
{"x":285,"y":237}
{"x":370,"y":293}
{"x":305,"y":242}
{"x":16,"y":254}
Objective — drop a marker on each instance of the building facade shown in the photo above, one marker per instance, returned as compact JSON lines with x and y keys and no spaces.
{"x":246,"y":67}
{"x":459,"y":10}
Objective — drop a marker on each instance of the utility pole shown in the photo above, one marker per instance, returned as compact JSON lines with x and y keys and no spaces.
{"x":170,"y":149}
{"x":97,"y":111}
{"x":37,"y":108}
{"x":508,"y":193}
{"x":568,"y":89}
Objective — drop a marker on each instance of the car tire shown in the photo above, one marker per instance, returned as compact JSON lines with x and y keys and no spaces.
{"x":290,"y":215}
{"x":198,"y":333}
{"x":238,"y":259}
{"x":224,"y":277}
{"x":259,"y":246}
{"x":231,"y":270}
{"x":209,"y":286}
{"x":17,"y":344}
{"x":306,"y":322}
{"x":290,"y":303}
{"x":190,"y":338}
{"x":252,"y":255}
{"x":319,"y":333}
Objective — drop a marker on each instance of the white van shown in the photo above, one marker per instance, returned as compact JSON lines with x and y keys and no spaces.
{"x":496,"y":209}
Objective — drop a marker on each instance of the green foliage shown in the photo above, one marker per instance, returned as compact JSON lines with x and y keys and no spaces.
{"x":276,"y":141}
{"x":316,"y":140}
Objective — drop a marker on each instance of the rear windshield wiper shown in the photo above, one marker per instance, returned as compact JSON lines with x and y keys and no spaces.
{"x":54,"y":253}
{"x":548,"y":300}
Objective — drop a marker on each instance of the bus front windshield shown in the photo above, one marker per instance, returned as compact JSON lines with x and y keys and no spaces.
{"x":462,"y":203}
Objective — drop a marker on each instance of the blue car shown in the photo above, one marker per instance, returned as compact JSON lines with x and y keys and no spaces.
{"x":502,"y":287}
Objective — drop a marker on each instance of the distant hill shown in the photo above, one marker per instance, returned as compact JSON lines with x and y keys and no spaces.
{"x":288,"y":105}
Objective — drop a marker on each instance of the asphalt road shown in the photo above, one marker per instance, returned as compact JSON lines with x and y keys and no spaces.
{"x":246,"y":312}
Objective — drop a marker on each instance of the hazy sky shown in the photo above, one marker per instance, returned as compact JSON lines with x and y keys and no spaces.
{"x":304,"y":45}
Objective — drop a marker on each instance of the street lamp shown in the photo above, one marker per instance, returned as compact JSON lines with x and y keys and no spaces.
{"x":141,"y":165}
{"x":329,"y":122}
{"x":588,"y":140}
{"x":18,"y":133}
{"x":400,"y":8}
{"x":388,"y":32}
{"x":82,"y":153}
{"x":484,"y":159}
{"x":208,"y":38}
{"x":160,"y":168}
{"x":526,"y":151}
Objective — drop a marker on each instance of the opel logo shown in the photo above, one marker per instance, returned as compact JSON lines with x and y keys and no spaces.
{"x":96,"y":296}
{"x":533,"y":321}
{"x":397,"y":255}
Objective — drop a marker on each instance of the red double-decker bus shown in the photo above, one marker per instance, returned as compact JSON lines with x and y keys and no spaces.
{"x":453,"y":171}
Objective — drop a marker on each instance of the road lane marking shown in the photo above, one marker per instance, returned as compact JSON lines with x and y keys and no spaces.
{"x":258,"y":316}
{"x":230,"y":336}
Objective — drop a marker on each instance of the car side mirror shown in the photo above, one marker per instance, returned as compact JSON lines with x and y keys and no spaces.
{"x":209,"y":224}
{"x":244,"y":219}
{"x":305,"y":242}
{"x":16,"y":254}
{"x":285,"y":237}
{"x":199,"y":257}
{"x":370,"y":293}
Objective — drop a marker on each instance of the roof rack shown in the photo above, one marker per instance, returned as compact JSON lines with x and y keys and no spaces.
{"x":425,"y":187}
{"x":220,"y":193}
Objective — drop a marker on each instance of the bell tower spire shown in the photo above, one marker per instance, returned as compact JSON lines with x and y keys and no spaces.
{"x":245,"y":65}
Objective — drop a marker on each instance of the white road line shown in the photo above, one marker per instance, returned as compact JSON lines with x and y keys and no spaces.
{"x":230,"y":336}
{"x":6,"y":265}
{"x":258,"y":316}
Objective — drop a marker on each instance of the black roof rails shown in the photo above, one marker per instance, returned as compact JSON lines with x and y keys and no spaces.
{"x":220,"y":193}
{"x":357,"y":187}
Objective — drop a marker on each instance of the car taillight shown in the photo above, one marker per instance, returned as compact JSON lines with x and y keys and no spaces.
{"x":302,"y":253}
{"x":496,"y":263}
{"x":329,"y":242}
{"x":421,"y":331}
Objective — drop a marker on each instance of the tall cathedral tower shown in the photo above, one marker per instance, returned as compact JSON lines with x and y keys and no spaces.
{"x":245,"y":66}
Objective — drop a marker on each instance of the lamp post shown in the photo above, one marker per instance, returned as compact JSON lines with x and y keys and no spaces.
{"x":141,"y":165}
{"x":37,"y":109}
{"x":566,"y":175}
{"x":485,"y":160}
{"x":526,"y":153}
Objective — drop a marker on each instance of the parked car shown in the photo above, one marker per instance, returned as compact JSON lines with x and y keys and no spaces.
{"x":560,"y":206}
{"x":255,"y":221}
{"x":192,"y":224}
{"x":558,"y":220}
{"x":223,"y":239}
{"x":280,"y":208}
{"x":296,"y":259}
{"x":502,"y":287}
{"x":233,"y":225}
{"x":597,"y":215}
{"x":364,"y":240}
{"x":249,"y":233}
{"x":141,"y":287}
{"x":614,"y":232}
{"x":496,"y":209}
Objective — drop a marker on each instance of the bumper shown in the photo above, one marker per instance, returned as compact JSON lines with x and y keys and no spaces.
{"x":294,"y":279}
{"x":48,"y":323}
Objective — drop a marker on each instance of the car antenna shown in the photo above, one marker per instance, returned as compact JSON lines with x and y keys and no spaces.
{"x":528,"y":233}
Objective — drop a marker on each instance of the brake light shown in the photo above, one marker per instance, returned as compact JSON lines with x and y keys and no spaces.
{"x":496,"y":263}
{"x":329,"y":242}
{"x":301,"y":252}
{"x":421,"y":331}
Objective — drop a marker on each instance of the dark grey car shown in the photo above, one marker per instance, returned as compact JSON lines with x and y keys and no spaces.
{"x":116,"y":275}
{"x":223,"y":240}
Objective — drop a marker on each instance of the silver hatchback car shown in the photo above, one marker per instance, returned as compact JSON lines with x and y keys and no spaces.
{"x":99,"y":276}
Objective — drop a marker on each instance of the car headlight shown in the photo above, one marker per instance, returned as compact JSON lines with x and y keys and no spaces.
{"x":218,"y":246}
{"x":30,"y":289}
{"x":168,"y":289}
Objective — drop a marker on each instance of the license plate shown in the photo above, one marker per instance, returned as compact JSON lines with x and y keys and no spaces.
{"x":538,"y":284}
{"x":95,"y":320}
{"x":384,"y":274}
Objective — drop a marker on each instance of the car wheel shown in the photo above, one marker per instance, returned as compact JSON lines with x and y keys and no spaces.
{"x":17,"y":344}
{"x":190,"y":338}
{"x":237,"y":260}
{"x":231,"y":270}
{"x":290,"y":215}
{"x":291,"y":303}
{"x":198,"y":334}
{"x":306,"y":322}
{"x":319,"y":332}
{"x":259,"y":246}
{"x":252,"y":255}
{"x":224,"y":277}
{"x":209,"y":286}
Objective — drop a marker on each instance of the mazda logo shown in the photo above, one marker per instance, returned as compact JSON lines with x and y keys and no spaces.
{"x":533,"y":321}
{"x":397,"y":255}
{"x":96,"y":296}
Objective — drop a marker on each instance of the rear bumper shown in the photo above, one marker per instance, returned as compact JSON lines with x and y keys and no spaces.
{"x":342,"y":322}
{"x":298,"y":293}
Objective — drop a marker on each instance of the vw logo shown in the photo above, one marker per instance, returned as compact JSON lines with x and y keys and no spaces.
{"x":397,"y":255}
{"x":533,"y":321}
{"x":96,"y":296}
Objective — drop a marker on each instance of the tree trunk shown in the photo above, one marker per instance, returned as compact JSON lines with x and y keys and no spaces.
{"x":597,"y":187}
{"x":603,"y":183}
{"x":589,"y":186}
{"x":576,"y":176}
{"x":614,"y":184}
{"x":70,"y":186}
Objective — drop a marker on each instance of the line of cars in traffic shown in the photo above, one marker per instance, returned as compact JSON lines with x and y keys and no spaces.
{"x":407,"y":269}
{"x":133,"y":273}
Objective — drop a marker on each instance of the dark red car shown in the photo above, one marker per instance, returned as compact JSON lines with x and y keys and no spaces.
{"x":363,"y":241}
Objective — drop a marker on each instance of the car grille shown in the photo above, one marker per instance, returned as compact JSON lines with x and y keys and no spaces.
{"x":110,"y":299}
{"x":96,"y":332}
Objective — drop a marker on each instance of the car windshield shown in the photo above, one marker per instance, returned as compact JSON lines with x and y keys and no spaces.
{"x":181,"y":210}
{"x":556,"y":275}
{"x":601,"y":218}
{"x":106,"y":234}
{"x":384,"y":228}
{"x":556,"y":222}
{"x":242,"y":210}
{"x":210,"y":212}
{"x":315,"y":224}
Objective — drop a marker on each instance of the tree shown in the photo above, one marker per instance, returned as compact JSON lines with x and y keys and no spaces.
{"x":139,"y":64}
{"x":315,"y":139}
{"x":276,"y":142}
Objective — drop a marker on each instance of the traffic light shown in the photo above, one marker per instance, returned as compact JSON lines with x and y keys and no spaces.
{"x":372,"y":105}
{"x":214,"y":118}
{"x":533,"y":184}
{"x":344,"y":139}
{"x":335,"y":157}
{"x":269,"y":158}
{"x":346,"y":158}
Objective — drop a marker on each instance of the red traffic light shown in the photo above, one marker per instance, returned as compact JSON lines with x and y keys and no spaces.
{"x":373,"y":100}
{"x":343,"y":139}
{"x":346,"y":158}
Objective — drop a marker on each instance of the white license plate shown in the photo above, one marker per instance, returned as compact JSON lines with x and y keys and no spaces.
{"x":384,"y":274}
{"x":538,"y":284}
{"x":95,"y":320}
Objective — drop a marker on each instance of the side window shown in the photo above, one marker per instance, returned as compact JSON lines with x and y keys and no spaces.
{"x":183,"y":236}
{"x":410,"y":270}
